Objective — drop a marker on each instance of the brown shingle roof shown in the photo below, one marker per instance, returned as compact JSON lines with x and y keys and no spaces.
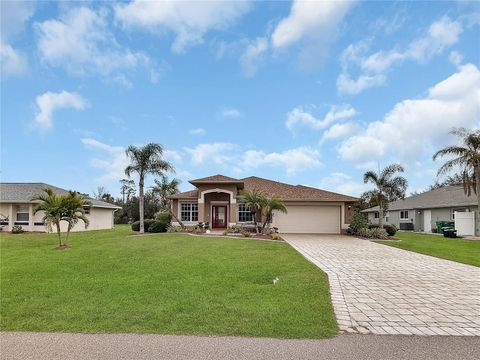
{"x":288,"y":192}
{"x":284,"y":191}
{"x":215,"y":179}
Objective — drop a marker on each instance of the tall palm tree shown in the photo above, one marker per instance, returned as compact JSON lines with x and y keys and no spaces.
{"x":388,"y":187}
{"x":255,"y":201}
{"x":52,"y":206}
{"x":163,"y":189}
{"x":466,"y":158}
{"x":146,"y":160}
{"x":74,"y":205}
{"x":272,"y":204}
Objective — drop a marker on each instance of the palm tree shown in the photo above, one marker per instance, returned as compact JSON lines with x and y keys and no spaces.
{"x":164,"y":188}
{"x":466,"y":158}
{"x":52,"y":206}
{"x":146,"y":160}
{"x":74,"y":205}
{"x":272,"y":204}
{"x":255,"y":200}
{"x":387,"y":187}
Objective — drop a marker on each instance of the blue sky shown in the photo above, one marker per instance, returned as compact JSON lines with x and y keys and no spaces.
{"x":307,"y":93}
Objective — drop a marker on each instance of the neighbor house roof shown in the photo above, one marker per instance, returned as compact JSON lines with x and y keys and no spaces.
{"x":284,"y":191}
{"x":23,"y":192}
{"x":448,"y":196}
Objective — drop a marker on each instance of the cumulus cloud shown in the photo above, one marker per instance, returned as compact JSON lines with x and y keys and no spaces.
{"x":198,"y":131}
{"x":298,"y":116}
{"x":338,"y":131}
{"x":253,"y":56}
{"x":441,"y":34}
{"x":293,"y":160}
{"x":50,"y":102}
{"x":455,"y":58}
{"x":112,"y":160}
{"x":14,"y":15}
{"x":343,"y":183}
{"x":214,"y":153}
{"x":188,"y":20}
{"x":415,"y":126}
{"x":309,"y":20}
{"x":80,"y":41}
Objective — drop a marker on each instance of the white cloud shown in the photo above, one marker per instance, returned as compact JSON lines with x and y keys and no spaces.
{"x":188,"y":20}
{"x":231,"y":113}
{"x":198,"y":131}
{"x":215,"y":153}
{"x":343,"y":183}
{"x":455,"y":58}
{"x":441,"y":34}
{"x":309,"y":19}
{"x":14,"y":15}
{"x":416,"y":126}
{"x":338,"y":131}
{"x":253,"y":56}
{"x":298,"y":116}
{"x":80,"y":42}
{"x":113,"y":160}
{"x":293,"y":160}
{"x":49,"y":102}
{"x":13,"y":62}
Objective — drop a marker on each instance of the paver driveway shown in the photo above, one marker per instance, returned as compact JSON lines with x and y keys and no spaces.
{"x":384,"y":290}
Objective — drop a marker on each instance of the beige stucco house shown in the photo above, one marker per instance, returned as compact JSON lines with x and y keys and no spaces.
{"x":310,"y":210}
{"x":16,"y":208}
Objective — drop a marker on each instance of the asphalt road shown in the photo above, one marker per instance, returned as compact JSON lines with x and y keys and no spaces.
{"x":52,"y":346}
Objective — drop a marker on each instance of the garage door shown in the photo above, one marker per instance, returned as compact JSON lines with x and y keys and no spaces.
{"x":309,"y":220}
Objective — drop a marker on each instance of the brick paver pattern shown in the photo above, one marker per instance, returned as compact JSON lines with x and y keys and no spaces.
{"x":378,"y":289}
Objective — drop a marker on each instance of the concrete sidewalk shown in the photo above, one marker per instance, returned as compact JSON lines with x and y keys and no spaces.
{"x":52,"y":346}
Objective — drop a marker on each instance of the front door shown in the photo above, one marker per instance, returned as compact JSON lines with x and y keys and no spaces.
{"x":219,"y":216}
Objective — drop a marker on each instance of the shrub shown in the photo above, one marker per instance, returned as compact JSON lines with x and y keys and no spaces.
{"x":275,"y":236}
{"x":158,"y":227}
{"x":373,"y":226}
{"x":390,"y":229}
{"x":378,"y":233}
{"x":146,"y":225}
{"x":17,"y":229}
{"x":363,"y":232}
{"x":172,"y":229}
{"x":164,"y":216}
{"x":234,"y":229}
{"x":225,"y":232}
{"x":359,"y":221}
{"x":246,"y":233}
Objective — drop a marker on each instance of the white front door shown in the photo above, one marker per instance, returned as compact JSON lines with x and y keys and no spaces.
{"x":427,"y":220}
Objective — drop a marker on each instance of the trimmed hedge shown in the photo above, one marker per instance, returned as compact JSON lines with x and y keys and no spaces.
{"x":158,"y":227}
{"x":146,"y":225}
{"x":390,"y":229}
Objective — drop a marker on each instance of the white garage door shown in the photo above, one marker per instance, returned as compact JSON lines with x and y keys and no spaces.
{"x":309,"y":220}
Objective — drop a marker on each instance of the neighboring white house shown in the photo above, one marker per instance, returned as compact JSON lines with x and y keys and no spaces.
{"x":421,"y":212}
{"x":16,"y":208}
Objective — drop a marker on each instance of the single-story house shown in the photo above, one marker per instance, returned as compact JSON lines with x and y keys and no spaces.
{"x":421,"y":212}
{"x":16,"y":208}
{"x":310,"y":210}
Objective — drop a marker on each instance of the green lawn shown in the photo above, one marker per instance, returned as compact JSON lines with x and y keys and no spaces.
{"x":165,"y":283}
{"x":463,"y":251}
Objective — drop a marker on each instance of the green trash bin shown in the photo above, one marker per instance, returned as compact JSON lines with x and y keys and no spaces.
{"x":444,"y":224}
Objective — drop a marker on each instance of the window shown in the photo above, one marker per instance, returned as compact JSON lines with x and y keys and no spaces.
{"x":377,"y":215}
{"x":189,"y":212}
{"x":404,"y":215}
{"x":244,"y":213}
{"x":23,"y":213}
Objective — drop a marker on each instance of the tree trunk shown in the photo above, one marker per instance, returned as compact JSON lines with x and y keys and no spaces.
{"x":477,"y":218}
{"x":141,"y":204}
{"x":57,"y":224}
{"x":176,"y":218}
{"x":67,"y":235}
{"x":380,"y":215}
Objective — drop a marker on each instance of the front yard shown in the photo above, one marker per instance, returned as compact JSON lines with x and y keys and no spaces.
{"x":165,"y":283}
{"x":463,"y":251}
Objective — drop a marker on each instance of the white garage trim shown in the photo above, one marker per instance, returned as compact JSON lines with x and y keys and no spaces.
{"x":310,"y":219}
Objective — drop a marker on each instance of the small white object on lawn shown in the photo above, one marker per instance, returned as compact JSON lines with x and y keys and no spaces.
{"x":276,"y":280}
